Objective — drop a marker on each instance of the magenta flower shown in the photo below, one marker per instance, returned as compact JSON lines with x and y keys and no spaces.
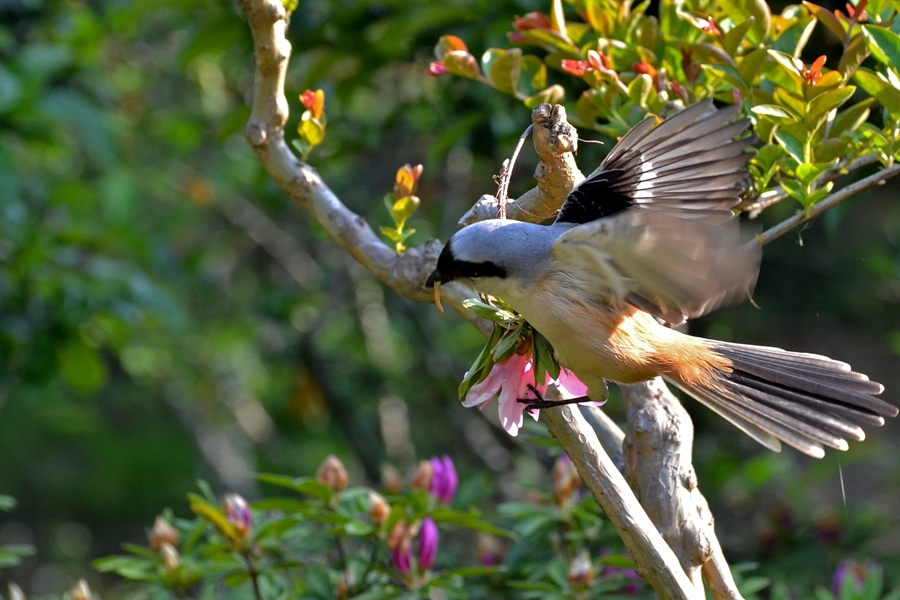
{"x":400,"y":558}
{"x":444,"y":479}
{"x":428,"y":543}
{"x":511,"y":379}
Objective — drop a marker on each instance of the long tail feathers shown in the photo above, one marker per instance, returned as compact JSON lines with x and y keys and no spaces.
{"x":804,"y":400}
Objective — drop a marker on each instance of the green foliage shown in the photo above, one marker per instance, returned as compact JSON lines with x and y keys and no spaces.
{"x":323,"y":542}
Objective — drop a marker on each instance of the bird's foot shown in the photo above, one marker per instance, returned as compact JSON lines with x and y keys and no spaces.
{"x":540,"y":402}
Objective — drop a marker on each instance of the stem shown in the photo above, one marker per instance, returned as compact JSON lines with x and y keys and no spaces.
{"x":820,"y":207}
{"x":253,"y":573}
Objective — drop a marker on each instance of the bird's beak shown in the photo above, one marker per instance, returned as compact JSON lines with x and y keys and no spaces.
{"x":434,"y":280}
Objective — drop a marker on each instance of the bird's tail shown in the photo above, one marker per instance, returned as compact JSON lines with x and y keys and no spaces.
{"x":804,"y":400}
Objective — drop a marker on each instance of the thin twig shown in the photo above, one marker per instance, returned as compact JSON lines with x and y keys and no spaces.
{"x":778,"y":193}
{"x":826,"y":204}
{"x":506,"y":173}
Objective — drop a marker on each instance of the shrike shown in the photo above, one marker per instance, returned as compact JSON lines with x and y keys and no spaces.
{"x":649,"y":238}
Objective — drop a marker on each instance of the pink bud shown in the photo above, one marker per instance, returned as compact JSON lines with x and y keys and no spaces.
{"x":428,"y":543}
{"x":437,"y":68}
{"x":238,"y":513}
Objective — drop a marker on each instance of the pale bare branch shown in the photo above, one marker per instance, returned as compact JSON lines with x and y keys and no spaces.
{"x":654,"y":559}
{"x":658,"y":455}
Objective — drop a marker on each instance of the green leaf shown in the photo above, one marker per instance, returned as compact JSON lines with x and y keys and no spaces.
{"x":311,"y":129}
{"x":710,"y":54}
{"x":794,"y":190}
{"x":808,"y":172}
{"x":790,"y":143}
{"x":741,"y":10}
{"x":880,"y":89}
{"x":504,"y":68}
{"x":304,"y":485}
{"x":534,"y":75}
{"x":555,"y":94}
{"x":639,"y":89}
{"x":794,"y":38}
{"x":549,"y":40}
{"x":731,"y":74}
{"x":736,"y":35}
{"x":795,"y":105}
{"x":751,"y":64}
{"x":483,"y":363}
{"x":489,"y":312}
{"x":830,"y":149}
{"x":850,"y":119}
{"x":776,"y":114}
{"x":7,"y":503}
{"x":391,"y":234}
{"x":827,"y":18}
{"x":823,"y":104}
{"x":404,"y":208}
{"x":543,"y":353}
{"x":462,"y":64}
{"x":791,"y":66}
{"x":506,"y":346}
{"x":884,"y":44}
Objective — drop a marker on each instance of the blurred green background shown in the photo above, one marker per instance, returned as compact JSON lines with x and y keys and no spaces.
{"x":168,"y":315}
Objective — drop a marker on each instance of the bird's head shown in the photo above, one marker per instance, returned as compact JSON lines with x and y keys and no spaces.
{"x":491,"y":255}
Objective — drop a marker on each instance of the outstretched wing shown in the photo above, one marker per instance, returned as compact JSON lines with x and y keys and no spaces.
{"x":690,"y":164}
{"x":656,"y":214}
{"x":674,"y":268}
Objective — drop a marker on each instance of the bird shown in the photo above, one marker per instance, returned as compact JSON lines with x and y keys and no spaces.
{"x":644,"y":243}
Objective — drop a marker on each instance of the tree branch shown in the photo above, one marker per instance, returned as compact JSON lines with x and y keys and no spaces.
{"x":830,"y":202}
{"x":654,"y":559}
{"x":658,"y":455}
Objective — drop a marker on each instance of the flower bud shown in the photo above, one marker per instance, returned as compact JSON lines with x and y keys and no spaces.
{"x":391,"y":479}
{"x":332,"y":474}
{"x":422,"y":478}
{"x":379,"y":509}
{"x":853,"y":575}
{"x":428,"y":543}
{"x":565,"y":479}
{"x":170,"y":557}
{"x":238,"y":513}
{"x":444,"y":480}
{"x":162,"y":533}
{"x":581,"y":571}
{"x":489,"y":550}
{"x":397,"y":534}
{"x":80,"y":591}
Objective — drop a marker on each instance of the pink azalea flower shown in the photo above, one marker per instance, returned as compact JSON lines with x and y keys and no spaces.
{"x":510,"y":379}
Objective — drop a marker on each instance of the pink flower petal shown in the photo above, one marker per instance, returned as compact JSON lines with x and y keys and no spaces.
{"x":483,"y":391}
{"x":570,"y":386}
